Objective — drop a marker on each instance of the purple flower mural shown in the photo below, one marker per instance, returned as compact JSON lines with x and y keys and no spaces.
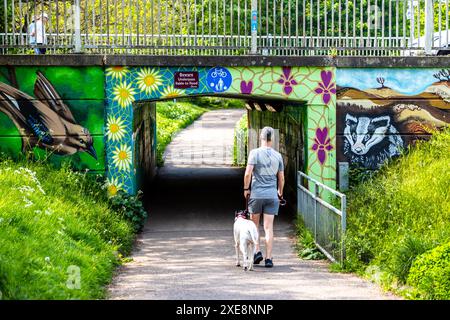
{"x":287,"y":80}
{"x":246,"y":87}
{"x":322,"y":144}
{"x":326,"y":88}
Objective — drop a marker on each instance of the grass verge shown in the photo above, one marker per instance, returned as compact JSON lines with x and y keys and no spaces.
{"x":240,"y":142}
{"x":59,"y":239}
{"x":401,"y":214}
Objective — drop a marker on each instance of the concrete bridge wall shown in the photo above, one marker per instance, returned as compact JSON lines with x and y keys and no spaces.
{"x":360,"y":110}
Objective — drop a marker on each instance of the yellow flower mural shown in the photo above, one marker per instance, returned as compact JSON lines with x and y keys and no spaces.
{"x":148,"y":80}
{"x":115,"y":128}
{"x":117,"y":72}
{"x":122,"y":157}
{"x":124,"y":94}
{"x":170,"y":92}
{"x":113,"y":186}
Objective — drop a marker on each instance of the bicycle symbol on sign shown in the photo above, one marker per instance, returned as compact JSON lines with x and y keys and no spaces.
{"x":218,"y":72}
{"x":219,"y":79}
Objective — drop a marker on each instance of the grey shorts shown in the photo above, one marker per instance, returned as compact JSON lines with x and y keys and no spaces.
{"x":266,"y":206}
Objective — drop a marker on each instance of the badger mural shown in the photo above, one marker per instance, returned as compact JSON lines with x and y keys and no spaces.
{"x":381,"y":111}
{"x":370,"y":141}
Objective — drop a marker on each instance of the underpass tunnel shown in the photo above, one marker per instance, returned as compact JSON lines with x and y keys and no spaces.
{"x":213,"y":188}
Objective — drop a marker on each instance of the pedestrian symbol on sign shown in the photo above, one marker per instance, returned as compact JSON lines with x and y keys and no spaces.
{"x":219,"y":79}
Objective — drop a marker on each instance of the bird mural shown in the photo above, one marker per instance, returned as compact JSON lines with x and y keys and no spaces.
{"x":45,"y":121}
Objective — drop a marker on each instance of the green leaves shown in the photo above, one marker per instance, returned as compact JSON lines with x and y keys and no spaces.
{"x":305,"y":246}
{"x":130,"y":207}
{"x":430,"y":274}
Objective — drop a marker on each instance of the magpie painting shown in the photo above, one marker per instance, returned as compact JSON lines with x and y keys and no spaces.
{"x":45,"y":121}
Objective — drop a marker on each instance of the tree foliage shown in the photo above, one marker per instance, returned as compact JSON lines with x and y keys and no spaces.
{"x":228,"y":17}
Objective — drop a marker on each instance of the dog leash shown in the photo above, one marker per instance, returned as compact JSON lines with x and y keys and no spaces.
{"x":282,"y":200}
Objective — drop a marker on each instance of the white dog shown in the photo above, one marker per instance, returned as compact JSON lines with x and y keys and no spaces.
{"x":245,"y":238}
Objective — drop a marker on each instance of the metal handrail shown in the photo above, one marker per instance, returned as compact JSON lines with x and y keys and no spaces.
{"x":341,"y":212}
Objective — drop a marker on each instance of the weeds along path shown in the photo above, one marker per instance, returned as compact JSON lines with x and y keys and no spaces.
{"x":186,"y":250}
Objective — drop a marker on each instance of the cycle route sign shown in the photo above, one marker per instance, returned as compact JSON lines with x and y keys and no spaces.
{"x":219,"y":79}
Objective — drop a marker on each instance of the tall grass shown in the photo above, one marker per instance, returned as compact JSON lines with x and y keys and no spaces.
{"x":55,"y":224}
{"x":240,"y":149}
{"x":401,"y":212}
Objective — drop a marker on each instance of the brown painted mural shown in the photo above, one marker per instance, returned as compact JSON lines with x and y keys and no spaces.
{"x":381,"y":111}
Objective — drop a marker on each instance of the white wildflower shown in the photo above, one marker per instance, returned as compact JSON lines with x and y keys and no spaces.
{"x":25,"y":189}
{"x":28,"y":202}
{"x":32,"y":175}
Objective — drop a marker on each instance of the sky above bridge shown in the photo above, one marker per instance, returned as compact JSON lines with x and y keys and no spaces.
{"x":398,"y":79}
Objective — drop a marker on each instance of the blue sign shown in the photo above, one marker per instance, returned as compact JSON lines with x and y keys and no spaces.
{"x":254,"y":24}
{"x":219,"y":79}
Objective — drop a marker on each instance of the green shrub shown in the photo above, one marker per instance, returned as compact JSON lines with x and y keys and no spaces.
{"x":217,"y":102}
{"x":305,"y":246}
{"x":358,"y":174}
{"x":430,"y":274}
{"x":130,"y":207}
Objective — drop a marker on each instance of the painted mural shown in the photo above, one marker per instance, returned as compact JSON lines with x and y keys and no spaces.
{"x":381,"y":111}
{"x":54,"y":113}
{"x":127,"y":85}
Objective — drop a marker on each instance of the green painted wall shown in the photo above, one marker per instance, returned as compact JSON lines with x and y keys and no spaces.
{"x":80,"y":90}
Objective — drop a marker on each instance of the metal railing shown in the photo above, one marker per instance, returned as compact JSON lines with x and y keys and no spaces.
{"x":229,"y":27}
{"x":321,"y":217}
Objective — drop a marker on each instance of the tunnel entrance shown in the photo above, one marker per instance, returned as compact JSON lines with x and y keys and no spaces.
{"x":198,"y":173}
{"x":126,"y":87}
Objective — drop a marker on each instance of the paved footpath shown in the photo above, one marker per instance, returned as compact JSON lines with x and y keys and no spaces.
{"x":186,"y":249}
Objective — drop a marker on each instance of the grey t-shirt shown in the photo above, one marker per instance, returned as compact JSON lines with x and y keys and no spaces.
{"x":267,"y":162}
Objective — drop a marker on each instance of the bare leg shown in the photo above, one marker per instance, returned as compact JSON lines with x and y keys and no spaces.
{"x":268,"y":231}
{"x":255,"y":219}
